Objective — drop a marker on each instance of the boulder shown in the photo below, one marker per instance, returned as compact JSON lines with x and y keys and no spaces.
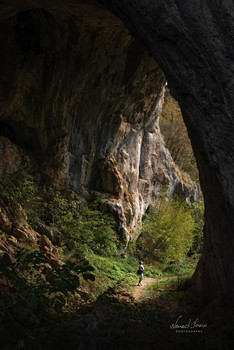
{"x":54,"y":235}
{"x":25,"y":233}
{"x":47,"y":247}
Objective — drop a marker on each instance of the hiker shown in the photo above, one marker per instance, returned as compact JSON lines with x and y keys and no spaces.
{"x":140,"y":272}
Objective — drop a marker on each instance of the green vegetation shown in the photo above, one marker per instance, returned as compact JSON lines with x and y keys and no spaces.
{"x":94,"y":231}
{"x":110,"y":271}
{"x":183,"y":267}
{"x":176,"y":137}
{"x":43,"y":288}
{"x":169,"y":231}
{"x":172,"y":287}
{"x":85,"y":229}
{"x":89,"y":245}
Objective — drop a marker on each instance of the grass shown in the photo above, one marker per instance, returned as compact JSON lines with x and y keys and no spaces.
{"x":154,"y":271}
{"x":177,"y":290}
{"x":184,"y":268}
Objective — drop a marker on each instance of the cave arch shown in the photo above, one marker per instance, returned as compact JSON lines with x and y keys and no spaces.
{"x":193,"y":43}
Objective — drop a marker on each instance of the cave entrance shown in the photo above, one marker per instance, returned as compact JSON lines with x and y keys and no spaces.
{"x":53,"y":91}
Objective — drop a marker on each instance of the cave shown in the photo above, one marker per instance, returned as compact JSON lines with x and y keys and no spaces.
{"x":84,"y":83}
{"x":7,"y":131}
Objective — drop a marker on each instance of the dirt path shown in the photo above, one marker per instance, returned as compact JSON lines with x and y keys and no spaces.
{"x":140,"y":291}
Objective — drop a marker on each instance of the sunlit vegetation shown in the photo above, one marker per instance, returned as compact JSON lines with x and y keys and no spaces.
{"x":167,"y":231}
{"x":170,"y":231}
{"x":176,"y":137}
{"x":174,"y":288}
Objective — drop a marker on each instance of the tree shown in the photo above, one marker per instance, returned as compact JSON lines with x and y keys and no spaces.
{"x":167,"y":231}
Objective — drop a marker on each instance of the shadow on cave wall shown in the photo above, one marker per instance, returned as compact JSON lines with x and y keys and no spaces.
{"x":20,"y":134}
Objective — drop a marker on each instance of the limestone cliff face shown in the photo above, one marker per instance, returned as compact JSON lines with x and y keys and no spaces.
{"x":80,"y":101}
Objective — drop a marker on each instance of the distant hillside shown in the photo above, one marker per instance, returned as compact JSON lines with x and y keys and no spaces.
{"x":176,"y":137}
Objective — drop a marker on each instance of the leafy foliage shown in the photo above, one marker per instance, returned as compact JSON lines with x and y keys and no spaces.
{"x":183,"y":267}
{"x":85,"y":229}
{"x":112,"y":270}
{"x":43,"y":291}
{"x":22,"y":188}
{"x":94,"y":231}
{"x":167,"y":231}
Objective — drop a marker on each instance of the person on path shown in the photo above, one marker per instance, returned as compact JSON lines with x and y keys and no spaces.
{"x":140,"y":272}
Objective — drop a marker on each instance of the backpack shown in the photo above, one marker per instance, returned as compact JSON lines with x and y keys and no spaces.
{"x":140,"y":270}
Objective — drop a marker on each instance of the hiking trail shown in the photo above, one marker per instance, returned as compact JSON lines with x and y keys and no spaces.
{"x":140,"y":291}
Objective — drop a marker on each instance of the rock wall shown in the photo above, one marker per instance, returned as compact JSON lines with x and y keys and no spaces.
{"x":81,"y":98}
